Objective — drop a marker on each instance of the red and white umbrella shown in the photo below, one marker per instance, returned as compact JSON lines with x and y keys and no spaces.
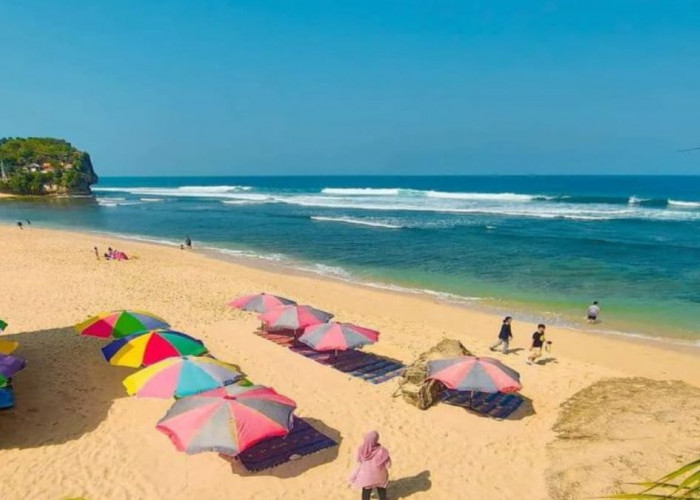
{"x":293,"y":317}
{"x":260,"y":302}
{"x":337,"y":336}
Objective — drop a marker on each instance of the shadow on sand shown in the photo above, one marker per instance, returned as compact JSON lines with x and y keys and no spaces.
{"x":66,"y":390}
{"x":296,"y":467}
{"x":407,"y":486}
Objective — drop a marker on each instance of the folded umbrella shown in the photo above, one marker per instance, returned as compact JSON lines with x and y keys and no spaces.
{"x":120,"y":323}
{"x":227,"y":420}
{"x":147,"y":348}
{"x":260,"y":302}
{"x":181,"y":376}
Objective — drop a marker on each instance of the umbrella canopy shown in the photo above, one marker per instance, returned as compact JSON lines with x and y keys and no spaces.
{"x":3,"y":325}
{"x":9,"y":365}
{"x":8,"y":346}
{"x":469,"y":373}
{"x":180,"y":377}
{"x":227,"y":420}
{"x":260,"y":302}
{"x":294,"y":317}
{"x":337,"y":336}
{"x":119,"y":324}
{"x":147,"y":348}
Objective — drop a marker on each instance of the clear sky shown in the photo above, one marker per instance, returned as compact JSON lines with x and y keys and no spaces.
{"x":367,"y":87}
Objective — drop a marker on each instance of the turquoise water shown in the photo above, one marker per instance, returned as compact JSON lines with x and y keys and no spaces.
{"x":539,"y":247}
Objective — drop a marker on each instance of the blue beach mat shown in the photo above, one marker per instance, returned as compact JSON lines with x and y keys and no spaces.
{"x":302,"y":440}
{"x":495,"y":405}
{"x":7,"y":397}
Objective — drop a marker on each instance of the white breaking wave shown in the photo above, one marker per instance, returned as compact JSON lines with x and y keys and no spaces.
{"x":151,"y":200}
{"x":684,"y":204}
{"x":362,"y":191}
{"x":182,"y":191}
{"x":359,"y":222}
{"x":633,"y":200}
{"x":512,"y":197}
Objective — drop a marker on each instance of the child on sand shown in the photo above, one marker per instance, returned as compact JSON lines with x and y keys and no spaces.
{"x":504,"y":336}
{"x":372,"y":469}
{"x":537,"y":344}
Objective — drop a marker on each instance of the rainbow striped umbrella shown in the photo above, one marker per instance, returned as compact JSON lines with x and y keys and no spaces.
{"x":469,"y":373}
{"x":180,"y":377}
{"x":337,"y":336}
{"x":9,"y":365}
{"x":227,"y":420}
{"x":260,"y":302}
{"x":121,"y":323}
{"x":293,"y":317}
{"x":147,"y":348}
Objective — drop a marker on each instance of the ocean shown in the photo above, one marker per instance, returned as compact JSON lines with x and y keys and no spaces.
{"x":536,"y":247}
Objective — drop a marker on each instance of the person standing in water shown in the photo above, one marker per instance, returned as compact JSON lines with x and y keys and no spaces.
{"x":372,"y":470}
{"x":188,"y":242}
{"x":593,"y":312}
{"x":505,"y":335}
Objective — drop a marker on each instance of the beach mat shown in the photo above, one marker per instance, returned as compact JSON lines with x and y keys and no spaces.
{"x":302,"y":440}
{"x":367,"y":366}
{"x":495,"y":405}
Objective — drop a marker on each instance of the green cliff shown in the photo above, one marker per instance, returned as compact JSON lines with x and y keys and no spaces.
{"x":42,"y":165}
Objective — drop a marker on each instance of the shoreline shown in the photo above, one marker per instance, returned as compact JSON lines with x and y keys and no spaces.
{"x":275,"y":268}
{"x":472,"y":304}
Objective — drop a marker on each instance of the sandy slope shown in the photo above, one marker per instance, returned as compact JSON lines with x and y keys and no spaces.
{"x":75,"y":432}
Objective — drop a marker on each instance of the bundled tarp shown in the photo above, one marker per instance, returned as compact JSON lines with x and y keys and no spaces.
{"x":414,"y":386}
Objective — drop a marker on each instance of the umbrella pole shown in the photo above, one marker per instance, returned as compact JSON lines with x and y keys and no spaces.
{"x":471,"y":400}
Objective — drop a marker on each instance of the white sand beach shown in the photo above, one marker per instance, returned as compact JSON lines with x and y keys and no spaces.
{"x":75,"y":433}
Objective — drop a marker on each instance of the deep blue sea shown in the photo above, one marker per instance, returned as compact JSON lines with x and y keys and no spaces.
{"x":536,"y":247}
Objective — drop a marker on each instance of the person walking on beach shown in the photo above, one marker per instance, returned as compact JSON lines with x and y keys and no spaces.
{"x":593,"y":312}
{"x":97,"y":252}
{"x":188,"y":242}
{"x":537,"y":344}
{"x":19,"y":224}
{"x":372,"y":470}
{"x":505,"y":335}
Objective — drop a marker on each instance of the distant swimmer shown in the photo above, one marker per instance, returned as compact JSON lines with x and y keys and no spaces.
{"x":29,"y":223}
{"x":593,"y":312}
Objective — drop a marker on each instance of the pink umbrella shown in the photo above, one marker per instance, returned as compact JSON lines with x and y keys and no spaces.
{"x":469,"y":373}
{"x":293,"y":317}
{"x":228,"y":419}
{"x":337,"y":336}
{"x":260,"y":302}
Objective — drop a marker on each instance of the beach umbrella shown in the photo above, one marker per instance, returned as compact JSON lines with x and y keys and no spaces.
{"x":9,"y":365}
{"x":260,"y":302}
{"x":293,"y":317}
{"x":227,"y":420}
{"x":119,"y":324}
{"x":337,"y":336}
{"x":470,"y":373}
{"x":8,"y":346}
{"x":147,"y":348}
{"x":3,"y":325}
{"x":181,"y":376}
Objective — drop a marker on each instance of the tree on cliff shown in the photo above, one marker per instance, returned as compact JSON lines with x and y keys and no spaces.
{"x":43,"y":165}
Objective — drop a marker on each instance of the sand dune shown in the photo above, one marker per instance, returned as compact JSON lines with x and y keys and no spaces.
{"x":74,"y":431}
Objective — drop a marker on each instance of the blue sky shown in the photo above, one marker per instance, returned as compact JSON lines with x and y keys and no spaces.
{"x":365,"y":87}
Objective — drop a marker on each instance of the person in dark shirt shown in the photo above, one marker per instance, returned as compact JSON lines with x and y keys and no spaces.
{"x":504,"y":336}
{"x":188,"y":242}
{"x":537,"y":344}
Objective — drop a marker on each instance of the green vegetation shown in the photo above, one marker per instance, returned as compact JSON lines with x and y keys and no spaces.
{"x":42,"y":165}
{"x":681,"y":484}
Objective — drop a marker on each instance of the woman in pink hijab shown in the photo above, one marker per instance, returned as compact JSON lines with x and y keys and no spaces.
{"x":372,"y":469}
